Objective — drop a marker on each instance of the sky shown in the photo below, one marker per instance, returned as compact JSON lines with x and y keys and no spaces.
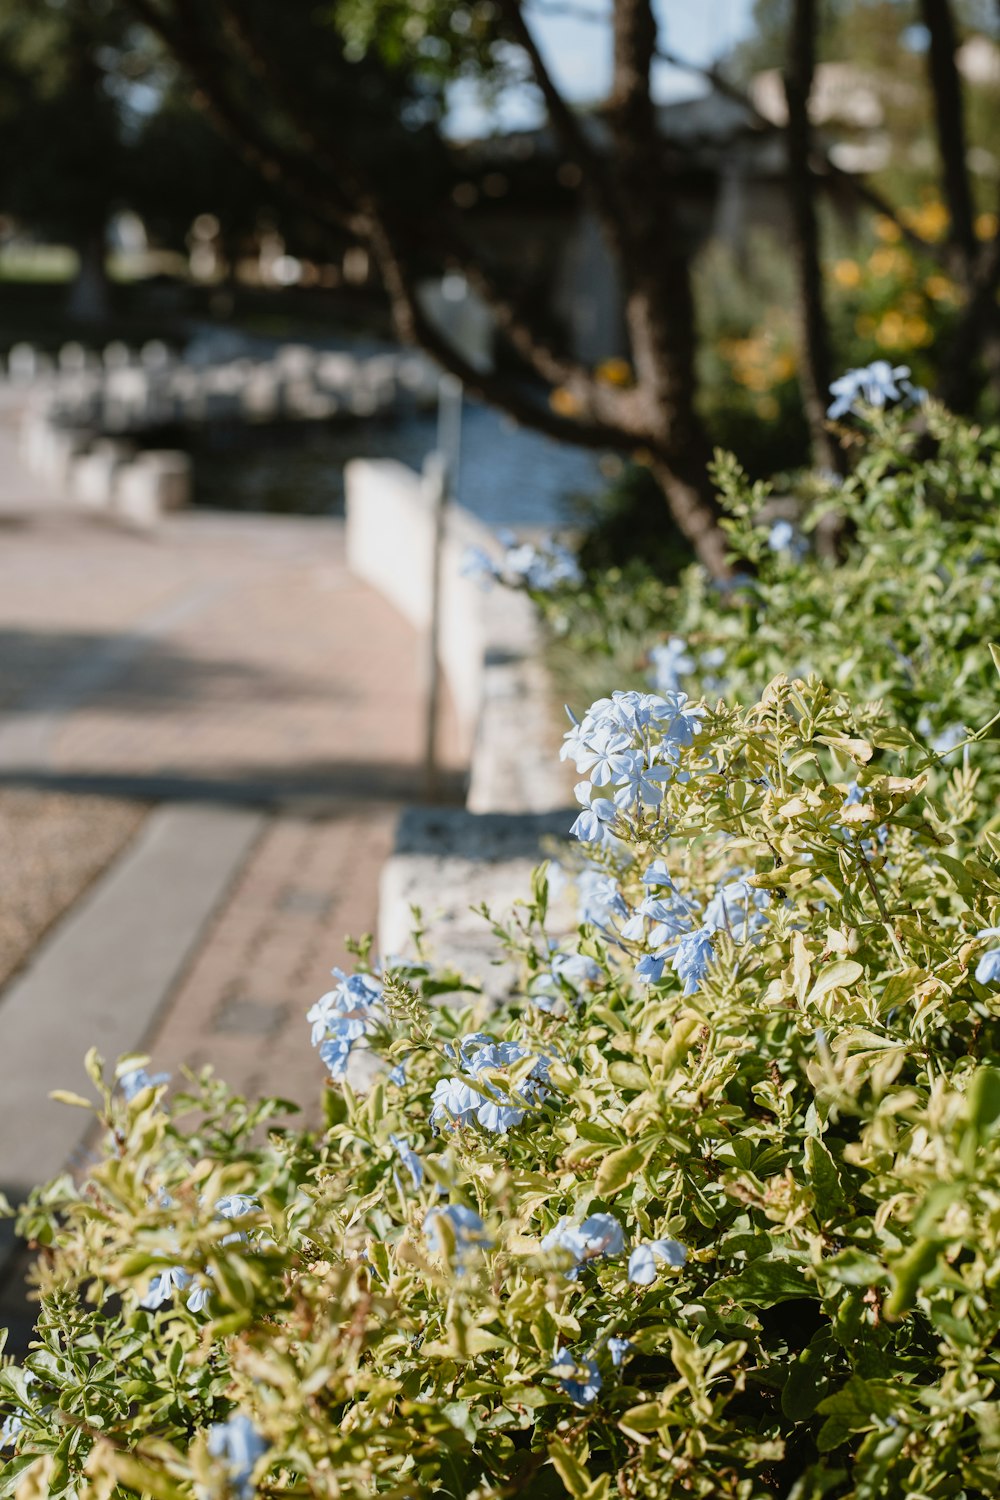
{"x":578,"y":56}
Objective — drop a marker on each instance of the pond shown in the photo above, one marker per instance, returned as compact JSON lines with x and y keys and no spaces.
{"x":508,"y":476}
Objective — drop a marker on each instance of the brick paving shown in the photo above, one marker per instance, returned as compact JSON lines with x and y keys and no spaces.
{"x":241,"y":1005}
{"x":227,"y":657}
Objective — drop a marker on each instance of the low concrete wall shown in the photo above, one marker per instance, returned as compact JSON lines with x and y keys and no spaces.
{"x":447,"y":861}
{"x":489,"y":639}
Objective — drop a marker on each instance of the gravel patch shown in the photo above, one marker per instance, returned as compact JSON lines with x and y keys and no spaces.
{"x":52,"y":846}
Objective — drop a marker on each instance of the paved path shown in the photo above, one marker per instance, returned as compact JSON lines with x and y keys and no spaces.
{"x":228,"y":663}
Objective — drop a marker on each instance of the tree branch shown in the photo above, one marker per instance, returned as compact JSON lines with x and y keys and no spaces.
{"x":445,"y":232}
{"x":284,"y":170}
{"x":597,"y":180}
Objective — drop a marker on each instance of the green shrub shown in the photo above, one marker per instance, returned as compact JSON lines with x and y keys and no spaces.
{"x":711,"y":1211}
{"x":901,"y":618}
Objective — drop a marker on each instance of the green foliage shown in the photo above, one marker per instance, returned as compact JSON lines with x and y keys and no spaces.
{"x":817,"y":1122}
{"x":901,"y":618}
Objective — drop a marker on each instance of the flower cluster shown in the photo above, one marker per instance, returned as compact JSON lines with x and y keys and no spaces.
{"x":455,"y":1227}
{"x":631,"y":744}
{"x":542,"y":567}
{"x":239,"y":1446}
{"x":165,"y":1284}
{"x":872,"y":385}
{"x":600,"y":1236}
{"x":483,"y":1093}
{"x":344,"y":1015}
{"x":784,"y":537}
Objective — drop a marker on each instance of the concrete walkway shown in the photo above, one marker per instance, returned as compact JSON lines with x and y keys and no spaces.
{"x":228,"y":672}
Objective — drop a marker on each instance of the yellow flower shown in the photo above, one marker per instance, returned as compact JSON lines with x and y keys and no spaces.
{"x":888,"y":230}
{"x":847,"y":273}
{"x":783,"y":367}
{"x":930,"y":220}
{"x":986,"y":226}
{"x":891,"y":330}
{"x":887,"y":262}
{"x":563,"y":402}
{"x":917,"y":331}
{"x":940,"y":288}
{"x":614,"y":372}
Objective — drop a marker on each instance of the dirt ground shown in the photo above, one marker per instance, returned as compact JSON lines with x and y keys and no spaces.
{"x":52,"y":846}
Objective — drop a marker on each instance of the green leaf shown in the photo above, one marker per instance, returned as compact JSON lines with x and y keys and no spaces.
{"x":618,"y":1169}
{"x":540,"y":889}
{"x":908,"y":1272}
{"x":983,"y":1100}
{"x":809,"y":1378}
{"x":628,"y":1075}
{"x":824,"y":1177}
{"x":572,"y":1473}
{"x":766,"y":1282}
{"x":66,"y":1096}
{"x":839,"y":976}
{"x":13,"y":1470}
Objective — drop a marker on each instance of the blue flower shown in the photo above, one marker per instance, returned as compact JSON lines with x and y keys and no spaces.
{"x":197,"y":1297}
{"x":454,"y":1101}
{"x":467,"y":1230}
{"x":347,"y":1011}
{"x":649,"y":969}
{"x":411,"y":1161}
{"x":335,"y":1052}
{"x":580,"y":1379}
{"x":784,"y":537}
{"x":988,"y":967}
{"x":593,"y":826}
{"x":11,"y":1429}
{"x":238,"y":1443}
{"x":460,"y":1103}
{"x":638,"y":782}
{"x":541,"y":568}
{"x":135,"y":1080}
{"x":737,"y":908}
{"x":163,"y":1285}
{"x":671,"y":918}
{"x":397,"y":1075}
{"x":618,"y":1348}
{"x":479,"y":566}
{"x":236,"y":1206}
{"x":597,"y":1238}
{"x":874,"y":384}
{"x":599,"y":899}
{"x":643,"y":1261}
{"x":670,"y":661}
{"x":692,"y":957}
{"x":576,"y":969}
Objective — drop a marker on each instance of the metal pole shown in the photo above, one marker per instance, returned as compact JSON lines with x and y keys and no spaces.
{"x":440,"y":479}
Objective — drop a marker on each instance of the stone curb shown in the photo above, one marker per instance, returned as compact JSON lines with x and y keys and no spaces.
{"x":147,"y":914}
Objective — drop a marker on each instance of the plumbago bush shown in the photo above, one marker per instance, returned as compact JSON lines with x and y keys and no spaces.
{"x":709,"y":1208}
{"x":900,"y":618}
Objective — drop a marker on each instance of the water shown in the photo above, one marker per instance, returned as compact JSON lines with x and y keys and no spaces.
{"x":508,"y":476}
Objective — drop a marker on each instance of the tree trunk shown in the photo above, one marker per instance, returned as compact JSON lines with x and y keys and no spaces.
{"x":814,"y":341}
{"x":90,"y":295}
{"x":691,"y":500}
{"x":659,"y":301}
{"x":949,"y":123}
